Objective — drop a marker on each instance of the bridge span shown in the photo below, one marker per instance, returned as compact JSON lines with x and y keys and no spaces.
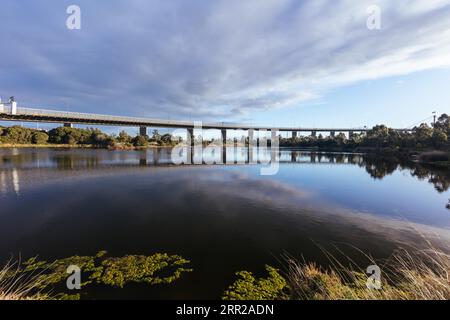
{"x":11,"y":112}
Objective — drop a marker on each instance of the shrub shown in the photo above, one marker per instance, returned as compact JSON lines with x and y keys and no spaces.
{"x":140,"y":141}
{"x":39,"y":138}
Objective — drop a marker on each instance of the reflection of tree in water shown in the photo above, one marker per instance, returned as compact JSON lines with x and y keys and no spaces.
{"x":378,"y":168}
{"x":439,"y":178}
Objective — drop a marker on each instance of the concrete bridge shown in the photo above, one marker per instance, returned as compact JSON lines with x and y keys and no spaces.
{"x":11,"y":112}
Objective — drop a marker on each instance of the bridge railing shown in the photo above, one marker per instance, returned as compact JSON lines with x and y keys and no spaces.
{"x":69,"y":115}
{"x":73,"y":117}
{"x":92,"y":116}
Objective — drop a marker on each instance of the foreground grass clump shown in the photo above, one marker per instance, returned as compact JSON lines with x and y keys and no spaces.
{"x":420,"y":276}
{"x":249,"y":288}
{"x":14,"y":285}
{"x":159,"y":268}
{"x":310,"y":282}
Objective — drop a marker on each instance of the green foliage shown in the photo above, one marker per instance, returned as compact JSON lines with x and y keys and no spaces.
{"x":39,"y":138}
{"x":67,"y":135}
{"x":78,"y":136}
{"x":140,"y":141}
{"x":124,"y":137}
{"x":250,"y":288}
{"x":17,"y":134}
{"x":159,"y":268}
{"x":382,"y":138}
{"x":119,"y":271}
{"x":21,"y":135}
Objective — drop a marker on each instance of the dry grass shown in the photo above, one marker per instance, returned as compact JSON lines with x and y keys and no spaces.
{"x":422,"y":275}
{"x":15,"y":285}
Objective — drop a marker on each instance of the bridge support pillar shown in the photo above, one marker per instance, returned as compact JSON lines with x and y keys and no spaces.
{"x":190,"y":137}
{"x":273,"y":137}
{"x":223,"y":133}
{"x":13,"y":107}
{"x":251,"y":137}
{"x":333,"y":134}
{"x":190,"y":145}
{"x":293,"y":156}
{"x":143,"y":131}
{"x":294,"y":134}
{"x":350,"y":133}
{"x":314,"y":134}
{"x":68,"y":125}
{"x":251,"y":145}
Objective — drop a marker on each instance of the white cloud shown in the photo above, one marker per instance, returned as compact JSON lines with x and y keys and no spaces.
{"x":212,"y":59}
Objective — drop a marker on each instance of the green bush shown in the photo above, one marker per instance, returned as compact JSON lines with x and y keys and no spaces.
{"x":247,"y":287}
{"x":140,"y":141}
{"x":39,"y":138}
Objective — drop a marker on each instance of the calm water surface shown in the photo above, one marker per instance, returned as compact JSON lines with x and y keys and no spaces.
{"x":224,"y":218}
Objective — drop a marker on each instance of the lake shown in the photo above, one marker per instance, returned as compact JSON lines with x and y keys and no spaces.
{"x":56,"y":203}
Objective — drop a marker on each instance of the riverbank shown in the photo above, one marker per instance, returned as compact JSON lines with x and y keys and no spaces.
{"x":78,"y":146}
{"x":90,"y":146}
{"x":75,"y":146}
{"x":406,"y":275}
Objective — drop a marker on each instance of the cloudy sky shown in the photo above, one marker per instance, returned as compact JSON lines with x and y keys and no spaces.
{"x":280,"y":62}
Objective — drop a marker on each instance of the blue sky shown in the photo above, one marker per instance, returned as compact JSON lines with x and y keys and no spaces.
{"x":278,"y":62}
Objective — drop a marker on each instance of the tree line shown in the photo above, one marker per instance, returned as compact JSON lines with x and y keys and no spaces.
{"x":422,"y":137}
{"x":78,"y":136}
{"x":380,"y":137}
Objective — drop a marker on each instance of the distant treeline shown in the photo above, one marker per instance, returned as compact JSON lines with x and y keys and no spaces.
{"x":76,"y":136}
{"x":380,"y":137}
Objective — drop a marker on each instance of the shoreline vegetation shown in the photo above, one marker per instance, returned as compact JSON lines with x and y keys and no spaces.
{"x":41,"y":280}
{"x":425,"y":144}
{"x":406,"y":275}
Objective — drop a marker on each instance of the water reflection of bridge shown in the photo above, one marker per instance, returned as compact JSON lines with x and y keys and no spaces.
{"x":25,"y":167}
{"x":73,"y":158}
{"x":22,"y":168}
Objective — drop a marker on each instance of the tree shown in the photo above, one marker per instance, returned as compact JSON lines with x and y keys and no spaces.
{"x":443,"y":123}
{"x":39,"y":138}
{"x":155,"y":135}
{"x":439,"y":138}
{"x":166,"y":138}
{"x":17,"y":134}
{"x":340,"y":139}
{"x":73,"y":135}
{"x":423,"y":132}
{"x":140,"y":141}
{"x":124,"y":137}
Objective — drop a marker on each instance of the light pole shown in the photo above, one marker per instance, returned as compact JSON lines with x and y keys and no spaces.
{"x":434,"y":118}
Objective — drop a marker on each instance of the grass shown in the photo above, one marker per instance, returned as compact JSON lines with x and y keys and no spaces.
{"x":14,"y":285}
{"x":34,"y":279}
{"x":406,"y":275}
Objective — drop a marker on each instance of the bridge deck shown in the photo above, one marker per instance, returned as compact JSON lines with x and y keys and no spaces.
{"x":54,"y":116}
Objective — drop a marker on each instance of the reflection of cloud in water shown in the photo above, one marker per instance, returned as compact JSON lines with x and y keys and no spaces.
{"x":285,"y":199}
{"x":213,"y":191}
